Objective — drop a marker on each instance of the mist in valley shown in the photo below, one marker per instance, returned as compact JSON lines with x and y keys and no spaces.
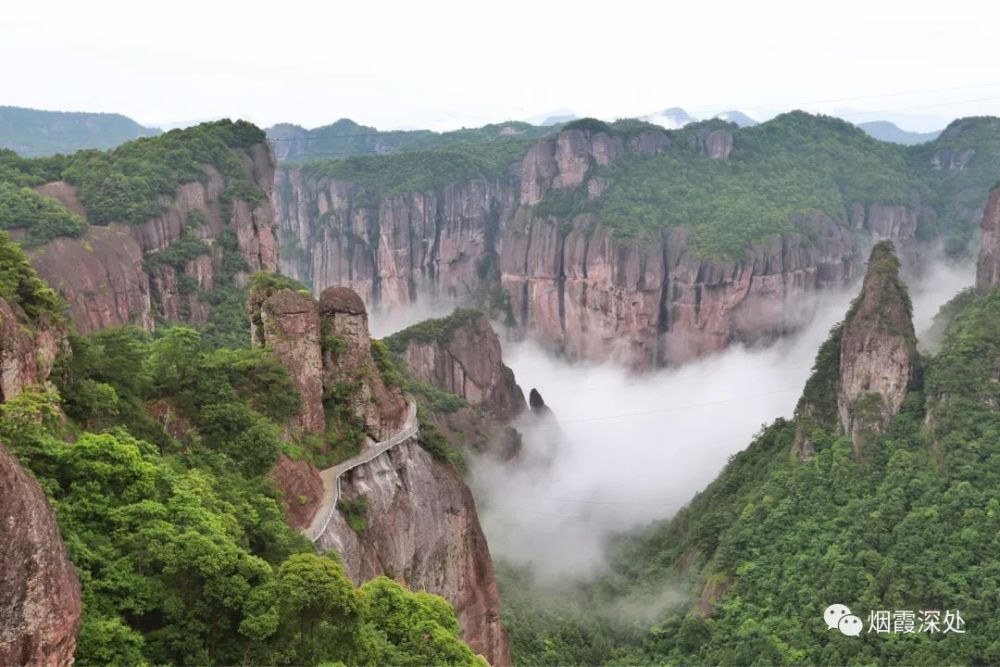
{"x":628,"y":449}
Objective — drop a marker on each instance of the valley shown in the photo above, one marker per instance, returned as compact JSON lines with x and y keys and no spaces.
{"x":291,"y":412}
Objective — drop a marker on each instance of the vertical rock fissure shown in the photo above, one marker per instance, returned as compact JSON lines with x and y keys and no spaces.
{"x":663,"y":311}
{"x":526,"y":292}
{"x":561,"y":279}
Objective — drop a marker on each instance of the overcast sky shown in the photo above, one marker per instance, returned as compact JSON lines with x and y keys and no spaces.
{"x":448,"y":64}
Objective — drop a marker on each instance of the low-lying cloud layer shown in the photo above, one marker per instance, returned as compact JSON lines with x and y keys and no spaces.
{"x":637,"y":448}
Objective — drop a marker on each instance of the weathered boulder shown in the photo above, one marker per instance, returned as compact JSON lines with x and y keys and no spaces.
{"x":39,"y":589}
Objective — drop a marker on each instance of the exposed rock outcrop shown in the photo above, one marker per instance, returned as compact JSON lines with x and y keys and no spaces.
{"x":348,"y":360}
{"x":107,"y":276}
{"x":572,"y":282}
{"x":287,"y":322}
{"x":326,"y":348}
{"x":39,"y":588}
{"x":302,"y":490}
{"x":421,"y":524}
{"x":878,"y":354}
{"x":27,"y":349}
{"x":716,"y":144}
{"x":988,"y":264}
{"x":421,"y":528}
{"x":467,"y":362}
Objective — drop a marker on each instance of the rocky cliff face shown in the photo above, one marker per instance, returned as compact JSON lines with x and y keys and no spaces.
{"x":27,"y":350}
{"x":420,"y":524}
{"x":38,"y":584}
{"x":572,"y":283}
{"x":469,"y":364}
{"x":288,"y":323}
{"x":988,"y":265}
{"x":865,"y":368}
{"x":110,"y":276}
{"x":326,"y":348}
{"x":878,"y":350}
{"x":421,"y":528}
{"x":348,"y":361}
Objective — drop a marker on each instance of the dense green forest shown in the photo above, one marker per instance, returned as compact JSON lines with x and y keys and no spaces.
{"x":778,"y":174}
{"x":153,"y":451}
{"x":126,"y":184}
{"x":757,"y":557}
{"x":345,"y":138}
{"x":36,"y":133}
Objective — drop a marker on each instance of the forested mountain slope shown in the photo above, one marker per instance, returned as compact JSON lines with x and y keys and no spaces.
{"x":154,"y":453}
{"x":903,"y":521}
{"x":628,"y":241}
{"x":36,"y":133}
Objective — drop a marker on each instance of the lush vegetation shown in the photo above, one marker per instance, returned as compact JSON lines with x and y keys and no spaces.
{"x":435,"y":331}
{"x":779,"y":174}
{"x":21,"y":286}
{"x":35,"y":133}
{"x":420,"y":171}
{"x":768,"y":545}
{"x":779,"y":171}
{"x":128,"y":184}
{"x":157,"y":479}
{"x":41,"y":218}
{"x":345,"y":138}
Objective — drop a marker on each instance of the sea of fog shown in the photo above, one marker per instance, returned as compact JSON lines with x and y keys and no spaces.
{"x":633,"y":448}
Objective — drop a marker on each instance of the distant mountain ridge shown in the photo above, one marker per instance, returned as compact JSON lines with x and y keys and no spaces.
{"x":888,"y":131}
{"x":346,"y":138}
{"x":36,"y":133}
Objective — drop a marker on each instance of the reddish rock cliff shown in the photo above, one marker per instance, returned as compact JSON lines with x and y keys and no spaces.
{"x":468,"y":364}
{"x":106,"y":276}
{"x":421,"y":527}
{"x":988,"y":265}
{"x":572,"y":283}
{"x":27,"y":349}
{"x":287,"y":323}
{"x":878,"y":354}
{"x":39,"y":589}
{"x":348,"y":361}
{"x":421,"y":521}
{"x":302,"y":490}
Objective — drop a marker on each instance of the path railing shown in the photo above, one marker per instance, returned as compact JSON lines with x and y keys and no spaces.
{"x":410,"y":428}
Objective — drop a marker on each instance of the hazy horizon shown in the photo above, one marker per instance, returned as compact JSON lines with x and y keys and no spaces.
{"x":469,"y":67}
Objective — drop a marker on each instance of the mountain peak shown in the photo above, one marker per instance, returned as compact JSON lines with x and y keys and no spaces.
{"x":878,"y":352}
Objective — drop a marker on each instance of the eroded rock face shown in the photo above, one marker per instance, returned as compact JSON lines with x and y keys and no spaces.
{"x":27,"y":351}
{"x":878,"y":353}
{"x":39,"y":589}
{"x":421,"y":528}
{"x":716,"y":144}
{"x":302,"y":490}
{"x":104,"y":277}
{"x":470,"y":365}
{"x":382,"y":409}
{"x":326,"y":347}
{"x":288,"y":323}
{"x":573,"y":283}
{"x":988,"y":264}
